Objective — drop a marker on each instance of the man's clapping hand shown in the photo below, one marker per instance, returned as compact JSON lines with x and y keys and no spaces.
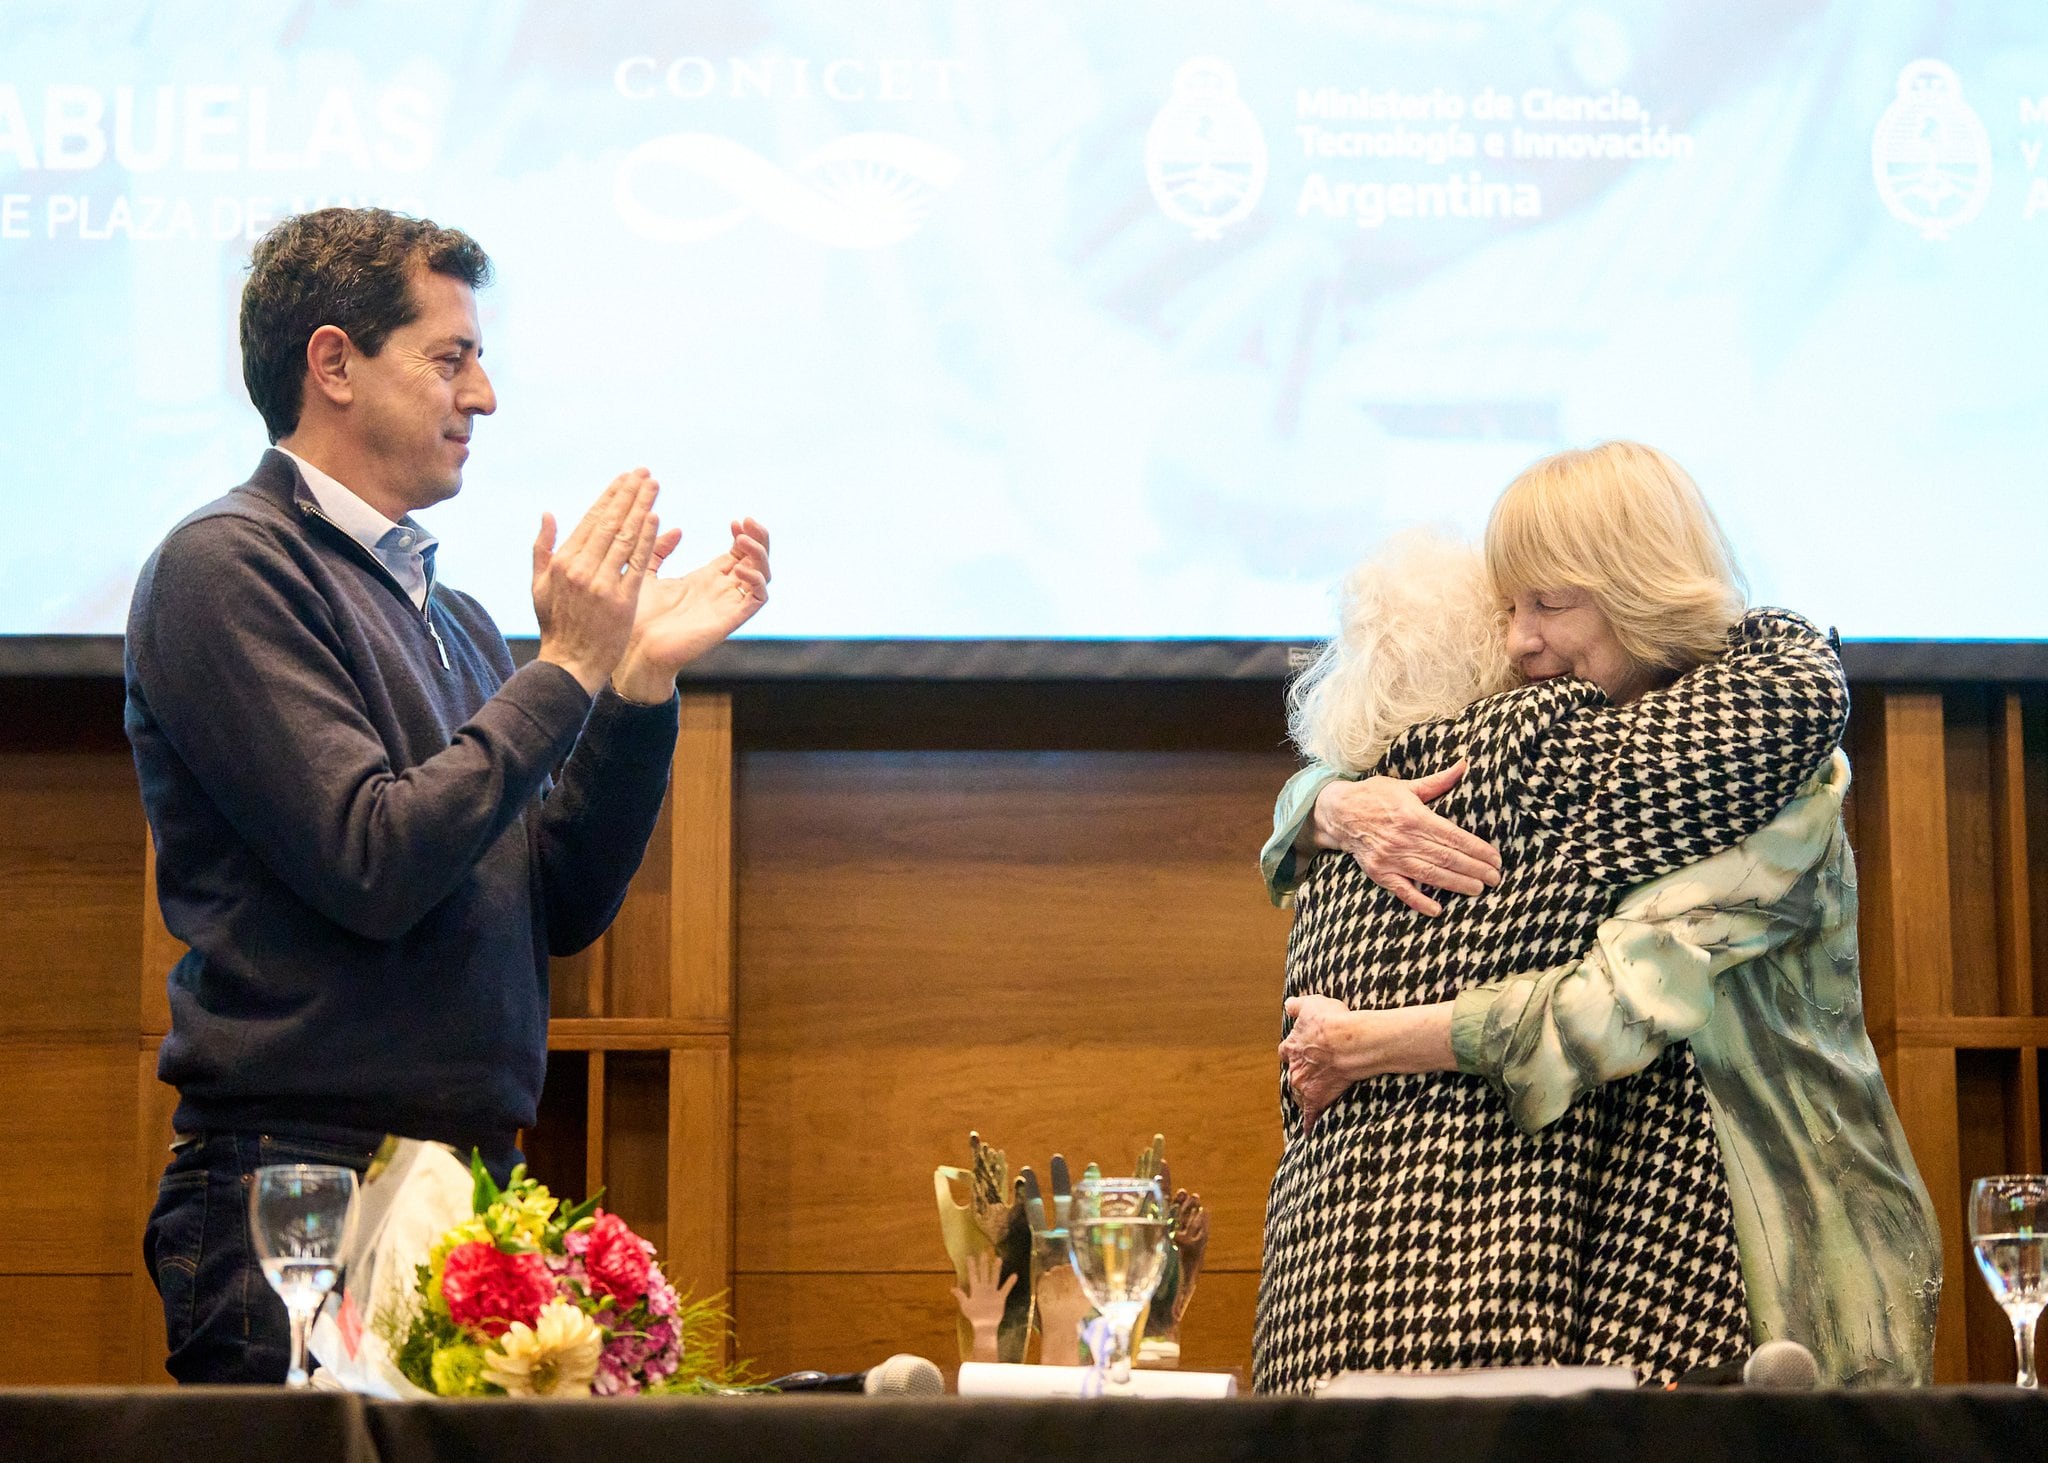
{"x":585,"y":593}
{"x":679,"y":619}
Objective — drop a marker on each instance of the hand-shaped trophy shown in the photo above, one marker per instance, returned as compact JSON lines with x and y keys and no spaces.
{"x":997,"y":1229}
{"x":981,"y":1218}
{"x":1058,"y":1305}
{"x":1187,"y":1227}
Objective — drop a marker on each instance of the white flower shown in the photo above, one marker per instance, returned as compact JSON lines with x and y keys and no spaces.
{"x":555,"y":1357}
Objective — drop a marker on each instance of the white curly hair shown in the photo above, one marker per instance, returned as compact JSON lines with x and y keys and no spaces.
{"x":1421,"y":635}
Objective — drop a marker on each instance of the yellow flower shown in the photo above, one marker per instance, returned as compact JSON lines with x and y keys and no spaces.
{"x":458,"y":1370}
{"x":555,"y":1357}
{"x":471,"y":1228}
{"x":525,"y":1212}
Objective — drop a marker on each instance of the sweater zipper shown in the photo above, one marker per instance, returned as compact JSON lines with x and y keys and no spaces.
{"x":364,"y":556}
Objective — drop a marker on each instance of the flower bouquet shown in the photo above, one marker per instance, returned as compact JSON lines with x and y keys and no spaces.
{"x":516,"y":1296}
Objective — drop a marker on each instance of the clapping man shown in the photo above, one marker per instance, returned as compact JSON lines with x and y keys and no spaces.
{"x":370,"y":829}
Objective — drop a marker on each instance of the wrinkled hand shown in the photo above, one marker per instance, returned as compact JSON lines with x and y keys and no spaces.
{"x":983,"y":1300}
{"x":586,"y":593}
{"x":1385,"y":823}
{"x":678,"y":619}
{"x":1314,"y":1054}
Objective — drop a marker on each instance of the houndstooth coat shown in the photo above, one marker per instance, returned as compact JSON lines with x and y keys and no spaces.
{"x":1416,"y":1228}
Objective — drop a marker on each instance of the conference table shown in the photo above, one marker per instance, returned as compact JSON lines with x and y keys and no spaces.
{"x":259,"y":1425}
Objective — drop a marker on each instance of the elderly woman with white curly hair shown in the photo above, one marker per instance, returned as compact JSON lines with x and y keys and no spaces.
{"x":1544,"y":1119}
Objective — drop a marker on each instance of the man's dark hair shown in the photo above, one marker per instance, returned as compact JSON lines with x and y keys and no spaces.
{"x":347,"y":267}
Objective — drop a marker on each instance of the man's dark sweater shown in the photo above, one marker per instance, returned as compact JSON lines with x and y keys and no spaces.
{"x":364,"y":849}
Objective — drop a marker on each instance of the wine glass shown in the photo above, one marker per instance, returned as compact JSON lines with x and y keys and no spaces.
{"x":2008,"y":1221}
{"x":1117,"y":1241}
{"x":299,"y":1220}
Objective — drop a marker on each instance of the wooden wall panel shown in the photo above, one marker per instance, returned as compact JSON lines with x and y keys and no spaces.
{"x":2033,"y":754}
{"x":70,"y":924}
{"x":2011,"y":863}
{"x":71,"y":929}
{"x":638,"y":944}
{"x":700,"y":1172}
{"x":1971,"y":722}
{"x":557,"y":1146}
{"x":1925,"y":1094}
{"x":1988,"y":1090}
{"x":577,"y":983}
{"x":837,"y":1153}
{"x":63,"y":1330}
{"x":842,"y":1321}
{"x":700,"y":953}
{"x":1067,"y":951}
{"x":1906,"y":939}
{"x":636,"y":1151}
{"x":671,"y":946}
{"x":67,"y":1155}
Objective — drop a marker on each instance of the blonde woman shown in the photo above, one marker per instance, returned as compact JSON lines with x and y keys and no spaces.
{"x":1412,"y":1222}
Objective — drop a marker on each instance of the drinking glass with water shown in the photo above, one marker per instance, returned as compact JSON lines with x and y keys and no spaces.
{"x":299,"y":1218}
{"x":2008,"y":1221}
{"x":1118,"y":1244}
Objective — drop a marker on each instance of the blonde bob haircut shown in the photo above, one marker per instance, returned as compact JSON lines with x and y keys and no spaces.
{"x":1420,"y":637}
{"x":1627,"y":525}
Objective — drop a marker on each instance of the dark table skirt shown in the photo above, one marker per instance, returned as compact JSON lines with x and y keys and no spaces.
{"x":222,"y":1425}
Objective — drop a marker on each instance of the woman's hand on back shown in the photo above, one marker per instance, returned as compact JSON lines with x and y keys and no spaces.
{"x":1316,"y":1054}
{"x":1329,"y":1046}
{"x":1386,"y":824}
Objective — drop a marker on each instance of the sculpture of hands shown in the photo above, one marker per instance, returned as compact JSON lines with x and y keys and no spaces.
{"x":1188,"y":1223}
{"x":993,"y":1201}
{"x":1026,"y":1229}
{"x":1187,"y":1226}
{"x":1056,"y":1293}
{"x":982,"y":1302}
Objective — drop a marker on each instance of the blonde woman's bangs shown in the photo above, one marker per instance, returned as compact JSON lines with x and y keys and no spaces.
{"x":1628,"y":525}
{"x":1527,"y":546}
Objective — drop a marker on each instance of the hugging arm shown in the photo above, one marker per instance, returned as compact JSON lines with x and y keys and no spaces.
{"x":1386,"y":824}
{"x":1635,"y":792}
{"x":1546,"y":1037}
{"x":1676,"y":776}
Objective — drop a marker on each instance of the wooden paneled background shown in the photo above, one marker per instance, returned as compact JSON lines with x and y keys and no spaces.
{"x":877,"y":915}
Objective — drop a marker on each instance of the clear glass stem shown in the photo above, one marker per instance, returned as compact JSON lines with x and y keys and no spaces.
{"x":302,"y":1324}
{"x":2023,"y":1341}
{"x":1122,"y":1319}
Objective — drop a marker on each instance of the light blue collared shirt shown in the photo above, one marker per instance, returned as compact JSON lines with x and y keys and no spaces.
{"x":404,"y":548}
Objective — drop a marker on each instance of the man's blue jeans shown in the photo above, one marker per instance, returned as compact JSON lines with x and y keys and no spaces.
{"x":223,"y":1321}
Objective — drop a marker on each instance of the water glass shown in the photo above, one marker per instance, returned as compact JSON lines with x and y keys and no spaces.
{"x":1117,"y":1241}
{"x":2008,"y":1221}
{"x":299,"y":1220}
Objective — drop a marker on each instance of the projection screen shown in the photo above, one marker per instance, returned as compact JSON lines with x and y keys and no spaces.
{"x":1031,"y":327}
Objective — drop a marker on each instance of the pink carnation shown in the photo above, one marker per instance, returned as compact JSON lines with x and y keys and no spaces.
{"x":616,"y":1259}
{"x":487,"y":1289}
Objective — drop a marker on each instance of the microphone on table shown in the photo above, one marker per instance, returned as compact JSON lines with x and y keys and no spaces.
{"x":1782,"y":1364}
{"x":902,"y":1375}
{"x":1779,"y":1366}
